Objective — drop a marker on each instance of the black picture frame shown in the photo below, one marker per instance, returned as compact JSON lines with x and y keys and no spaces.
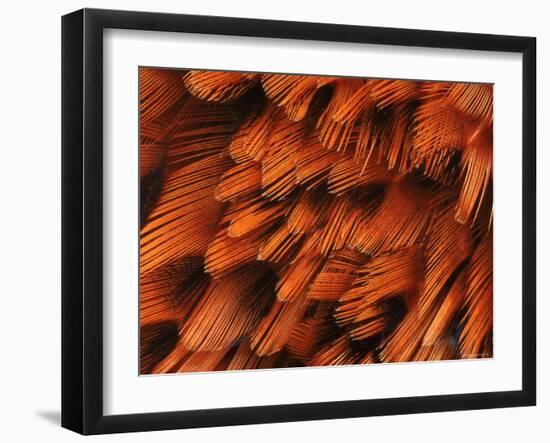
{"x":82,"y":218}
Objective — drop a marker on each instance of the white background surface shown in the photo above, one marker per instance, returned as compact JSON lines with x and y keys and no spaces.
{"x":127,"y":393}
{"x":30,"y":222}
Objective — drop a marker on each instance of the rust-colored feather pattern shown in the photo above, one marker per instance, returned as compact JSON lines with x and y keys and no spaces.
{"x":299,"y":220}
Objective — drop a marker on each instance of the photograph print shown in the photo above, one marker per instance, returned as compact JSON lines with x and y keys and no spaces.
{"x":302,"y":221}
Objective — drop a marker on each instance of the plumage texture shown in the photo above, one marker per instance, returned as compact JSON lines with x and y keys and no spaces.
{"x":295,"y":220}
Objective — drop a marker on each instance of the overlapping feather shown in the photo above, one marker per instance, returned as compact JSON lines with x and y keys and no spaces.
{"x":292,"y":220}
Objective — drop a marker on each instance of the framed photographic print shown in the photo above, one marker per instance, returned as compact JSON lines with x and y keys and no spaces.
{"x":270,"y":221}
